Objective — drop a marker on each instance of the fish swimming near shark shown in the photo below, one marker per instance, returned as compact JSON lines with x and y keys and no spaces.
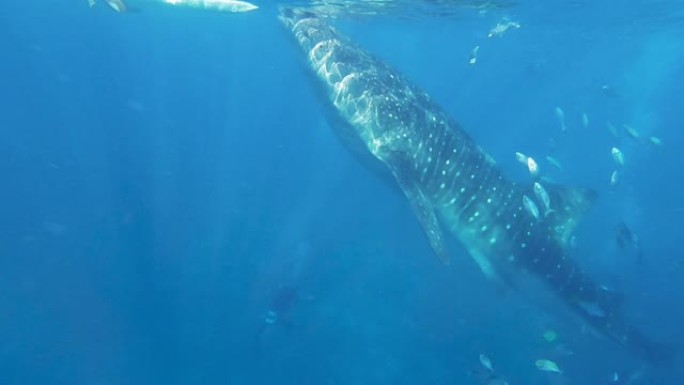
{"x":628,"y":241}
{"x":234,"y":6}
{"x":453,"y":186}
{"x":117,"y":5}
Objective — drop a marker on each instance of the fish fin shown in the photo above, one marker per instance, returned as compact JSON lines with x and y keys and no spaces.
{"x":570,"y":205}
{"x":421,"y":207}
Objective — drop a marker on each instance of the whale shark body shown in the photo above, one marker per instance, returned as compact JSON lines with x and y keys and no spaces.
{"x":453,"y":186}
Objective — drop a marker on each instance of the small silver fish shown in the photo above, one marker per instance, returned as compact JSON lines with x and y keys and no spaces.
{"x":233,"y":6}
{"x":117,"y":5}
{"x":563,"y":350}
{"x":543,"y":197}
{"x":486,"y":362}
{"x":612,"y":129}
{"x":554,"y":162}
{"x":530,"y":206}
{"x":654,"y":140}
{"x":585,"y":120}
{"x":628,"y":241}
{"x":561,"y":118}
{"x":614,"y":178}
{"x":520,"y":157}
{"x":634,"y":134}
{"x":503,"y":26}
{"x":547,"y":366}
{"x":532,"y":166}
{"x":271,"y":317}
{"x":472,"y":59}
{"x":617,"y":156}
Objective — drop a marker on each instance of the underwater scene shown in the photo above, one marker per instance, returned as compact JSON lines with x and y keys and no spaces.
{"x":342,"y":192}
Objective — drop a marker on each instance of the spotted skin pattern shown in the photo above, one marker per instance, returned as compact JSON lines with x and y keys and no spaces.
{"x":446,"y":175}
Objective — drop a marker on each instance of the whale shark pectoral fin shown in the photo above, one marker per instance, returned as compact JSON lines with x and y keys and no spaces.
{"x":423,"y":210}
{"x":428,"y":219}
{"x":570,"y":204}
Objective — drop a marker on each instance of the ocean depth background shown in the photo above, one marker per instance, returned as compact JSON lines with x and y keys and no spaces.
{"x":175,"y":209}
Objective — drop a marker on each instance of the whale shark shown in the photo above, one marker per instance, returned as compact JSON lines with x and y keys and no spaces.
{"x":453,"y":186}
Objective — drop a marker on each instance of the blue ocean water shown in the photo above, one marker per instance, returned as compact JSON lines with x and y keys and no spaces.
{"x":176,"y":208}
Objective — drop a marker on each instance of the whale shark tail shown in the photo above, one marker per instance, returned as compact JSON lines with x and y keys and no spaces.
{"x":655,"y":352}
{"x":612,"y":324}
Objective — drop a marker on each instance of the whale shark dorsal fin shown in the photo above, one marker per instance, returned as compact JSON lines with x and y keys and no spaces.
{"x":421,"y":207}
{"x":571,"y":203}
